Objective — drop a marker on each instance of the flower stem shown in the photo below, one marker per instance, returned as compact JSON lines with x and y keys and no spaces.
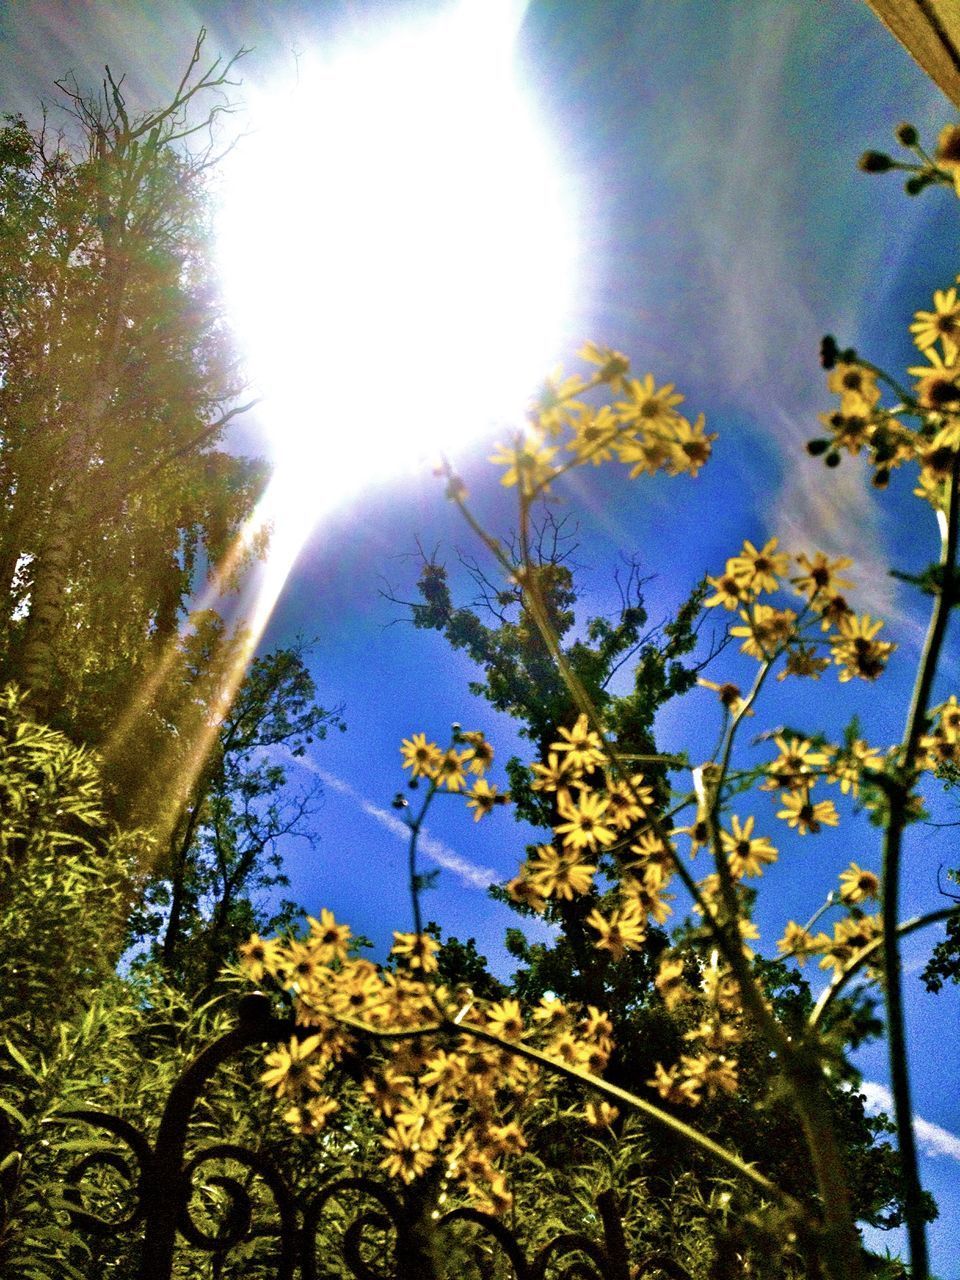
{"x":892,"y":857}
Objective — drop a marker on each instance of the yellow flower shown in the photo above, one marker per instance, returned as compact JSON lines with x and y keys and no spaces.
{"x":710,"y":1071}
{"x":406,"y":1158}
{"x":674,"y":1086}
{"x":937,"y":386}
{"x":614,"y":365}
{"x":648,"y":454}
{"x":671,"y":984}
{"x":947,"y":154}
{"x":261,"y":956}
{"x":525,"y":892}
{"x":595,"y":433}
{"x":647,"y":406}
{"x":856,"y":650}
{"x":288,"y":1069}
{"x":766,"y":630}
{"x":802,"y":660}
{"x":556,"y":875}
{"x":556,"y":406}
{"x":420,"y":756}
{"x":585,"y":825}
{"x":331,"y":938}
{"x":728,"y":592}
{"x":599,"y":1115}
{"x":528,"y":464}
{"x":849,"y":764}
{"x":358,"y":991}
{"x":624,"y":931}
{"x":856,"y":387}
{"x":797,"y":766}
{"x":758,"y":570}
{"x":856,"y":884}
{"x":444,"y":1069}
{"x":849,"y":936}
{"x":691,"y":447}
{"x":731,"y":699}
{"x":553,"y":775}
{"x":505,"y":1139}
{"x":479,"y":753}
{"x":449,"y":770}
{"x":648,"y":894}
{"x":387,"y":1091}
{"x":582,"y":745}
{"x":800,"y":944}
{"x":482,"y":798}
{"x":747,"y":853}
{"x":942,"y":324}
{"x":799,"y":813}
{"x":505,"y":1019}
{"x":416,"y":950}
{"x":311,"y":1116}
{"x":948,"y":718}
{"x":628,"y":801}
{"x":821,"y":575}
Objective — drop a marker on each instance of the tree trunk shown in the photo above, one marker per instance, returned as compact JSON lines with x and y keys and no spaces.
{"x":35,"y":666}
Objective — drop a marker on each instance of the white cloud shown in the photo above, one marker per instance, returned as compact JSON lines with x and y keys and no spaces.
{"x":472,"y":874}
{"x":932,"y":1138}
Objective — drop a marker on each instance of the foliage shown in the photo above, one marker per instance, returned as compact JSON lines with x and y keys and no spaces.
{"x":67,"y":876}
{"x":223,"y":856}
{"x":115,"y":374}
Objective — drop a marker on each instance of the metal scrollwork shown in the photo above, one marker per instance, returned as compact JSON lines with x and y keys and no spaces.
{"x":569,"y":1243}
{"x":225,"y":1198}
{"x":237,"y":1220}
{"x":137,"y":1179}
{"x":389,"y":1216}
{"x":496,"y":1229}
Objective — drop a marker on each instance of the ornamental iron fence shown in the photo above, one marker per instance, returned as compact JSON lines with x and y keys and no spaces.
{"x":383,"y":1234}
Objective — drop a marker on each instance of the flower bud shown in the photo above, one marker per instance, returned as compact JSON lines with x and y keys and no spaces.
{"x":816,"y":447}
{"x":832,"y":459}
{"x":906,"y":134}
{"x":875,"y":162}
{"x":828,"y":351}
{"x":913,"y":186}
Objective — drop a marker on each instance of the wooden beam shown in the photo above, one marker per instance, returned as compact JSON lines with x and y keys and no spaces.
{"x":930,"y":32}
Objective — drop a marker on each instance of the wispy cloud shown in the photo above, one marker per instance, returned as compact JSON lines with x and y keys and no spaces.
{"x":472,"y":874}
{"x":766,"y":280}
{"x":933,"y":1139}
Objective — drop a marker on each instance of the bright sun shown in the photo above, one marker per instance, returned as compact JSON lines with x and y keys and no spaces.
{"x":397,"y":246}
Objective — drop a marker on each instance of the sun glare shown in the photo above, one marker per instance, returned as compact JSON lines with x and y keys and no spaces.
{"x":397,"y":246}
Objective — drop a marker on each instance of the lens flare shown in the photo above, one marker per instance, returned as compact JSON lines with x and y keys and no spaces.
{"x":397,"y":245}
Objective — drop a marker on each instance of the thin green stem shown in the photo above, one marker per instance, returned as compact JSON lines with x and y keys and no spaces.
{"x":448,"y":1026}
{"x":415,"y":826}
{"x":857,"y":961}
{"x":899,"y":798}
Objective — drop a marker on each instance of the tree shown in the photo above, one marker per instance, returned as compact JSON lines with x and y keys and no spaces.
{"x":520,"y":678}
{"x":224,"y":855}
{"x":115,"y":382}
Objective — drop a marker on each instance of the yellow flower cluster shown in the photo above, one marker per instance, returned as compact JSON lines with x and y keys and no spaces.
{"x":441,"y":1085}
{"x":768,"y":633}
{"x":863,"y":424}
{"x":711,"y":1068}
{"x":850,"y":934}
{"x":942,"y":744}
{"x":450,"y":770}
{"x":642,"y":429}
{"x":597,"y":813}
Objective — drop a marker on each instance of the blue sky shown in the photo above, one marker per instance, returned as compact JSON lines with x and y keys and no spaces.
{"x":713,"y":151}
